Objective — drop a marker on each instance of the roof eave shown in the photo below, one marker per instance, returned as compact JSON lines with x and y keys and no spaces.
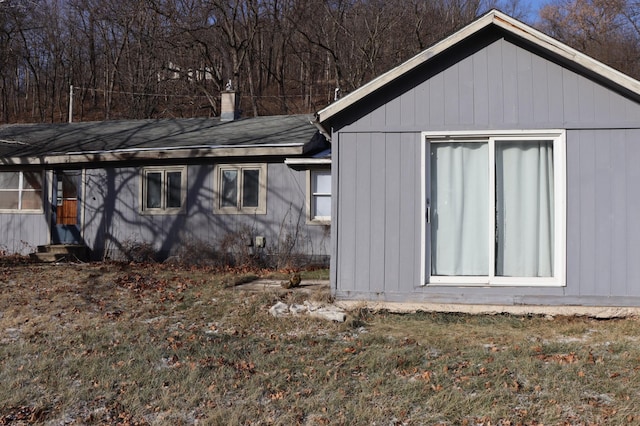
{"x":158,"y":154}
{"x":307,"y":163}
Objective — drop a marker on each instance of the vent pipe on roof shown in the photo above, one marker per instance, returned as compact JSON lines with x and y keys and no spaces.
{"x":229,"y":104}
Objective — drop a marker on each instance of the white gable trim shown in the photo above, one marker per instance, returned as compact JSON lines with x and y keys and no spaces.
{"x":501,"y":20}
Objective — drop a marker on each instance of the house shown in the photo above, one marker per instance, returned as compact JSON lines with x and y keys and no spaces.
{"x":162,"y":183}
{"x":498,"y":167}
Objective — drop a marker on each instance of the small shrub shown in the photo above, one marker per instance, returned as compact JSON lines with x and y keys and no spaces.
{"x":139,"y":252}
{"x":237,"y":247}
{"x":7,"y":259}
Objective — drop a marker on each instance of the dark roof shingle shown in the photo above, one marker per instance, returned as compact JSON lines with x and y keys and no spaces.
{"x":36,"y":140}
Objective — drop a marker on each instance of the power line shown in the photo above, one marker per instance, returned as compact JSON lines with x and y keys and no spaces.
{"x":140,"y":93}
{"x":172,"y":95}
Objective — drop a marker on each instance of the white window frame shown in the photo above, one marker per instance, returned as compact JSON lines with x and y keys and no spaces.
{"x":219,"y":169}
{"x":560,"y":196}
{"x":312,"y":218}
{"x":163,"y":209}
{"x":21,"y":190}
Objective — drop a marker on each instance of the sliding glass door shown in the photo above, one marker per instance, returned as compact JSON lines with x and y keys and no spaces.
{"x":494,"y":210}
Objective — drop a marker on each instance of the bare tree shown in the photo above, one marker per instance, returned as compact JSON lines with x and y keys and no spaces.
{"x":603,"y":29}
{"x":173,"y":58}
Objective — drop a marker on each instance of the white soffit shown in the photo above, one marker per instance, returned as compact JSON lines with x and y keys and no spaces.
{"x":501,"y":20}
{"x":307,"y":161}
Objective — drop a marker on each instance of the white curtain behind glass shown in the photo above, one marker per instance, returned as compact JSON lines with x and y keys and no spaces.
{"x":459,"y":203}
{"x":524,"y":208}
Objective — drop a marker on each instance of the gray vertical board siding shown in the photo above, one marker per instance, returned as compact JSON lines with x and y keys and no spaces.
{"x":347,"y":208}
{"x":284,"y":224}
{"x":632,"y":157}
{"x":363,"y":212}
{"x":391,"y":190}
{"x":510,"y":99}
{"x":93,"y":212}
{"x":22,"y":233}
{"x":540,"y":86}
{"x":617,"y":107}
{"x":619,"y":220}
{"x":335,"y":195}
{"x":586,"y":100}
{"x":378,"y":199}
{"x":378,"y":211}
{"x":452,"y":101}
{"x":436,"y":101}
{"x":415,"y":141}
{"x":479,"y":81}
{"x":393,"y":114}
{"x":409,"y":211}
{"x":286,"y":213}
{"x":603,"y":239}
{"x":570,"y":96}
{"x":606,"y":213}
{"x":111,"y":210}
{"x":495,"y":84}
{"x":113,"y":219}
{"x":633,"y":113}
{"x":377,"y":116}
{"x":465,"y":92}
{"x":422,"y":107}
{"x":554,"y":76}
{"x":587,"y":212}
{"x":574,"y":243}
{"x":601,"y":104}
{"x":128,"y":225}
{"x":409,"y":106}
{"x":508,"y":88}
{"x":524,"y":66}
{"x":199,"y":206}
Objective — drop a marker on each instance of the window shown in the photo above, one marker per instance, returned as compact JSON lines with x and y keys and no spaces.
{"x":21,"y":191}
{"x":164,"y":190}
{"x":319,"y":196}
{"x":241,"y":188}
{"x":496,"y":209}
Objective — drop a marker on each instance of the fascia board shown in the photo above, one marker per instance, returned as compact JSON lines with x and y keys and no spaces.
{"x":141,"y":155}
{"x":307,"y":161}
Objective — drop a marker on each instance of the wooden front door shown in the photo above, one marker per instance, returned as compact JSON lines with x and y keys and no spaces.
{"x":66,"y":212}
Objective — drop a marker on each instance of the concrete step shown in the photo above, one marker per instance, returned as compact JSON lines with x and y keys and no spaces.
{"x":61,"y":253}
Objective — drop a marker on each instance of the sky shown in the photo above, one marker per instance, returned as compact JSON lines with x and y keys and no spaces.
{"x":534,"y":7}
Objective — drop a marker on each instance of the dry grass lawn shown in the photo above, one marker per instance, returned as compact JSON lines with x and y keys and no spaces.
{"x":159,"y":345}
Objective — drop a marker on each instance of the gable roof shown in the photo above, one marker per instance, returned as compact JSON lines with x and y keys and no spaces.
{"x":507,"y":24}
{"x":156,"y":139}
